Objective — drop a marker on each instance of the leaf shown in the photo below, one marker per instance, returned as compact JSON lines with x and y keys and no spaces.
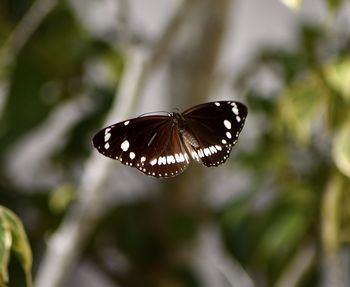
{"x":282,"y":234}
{"x":331,"y":207}
{"x":300,"y":104}
{"x":62,"y":197}
{"x":338,"y":75}
{"x":341,"y":148}
{"x":5,"y":248}
{"x":333,"y":5}
{"x":292,"y":4}
{"x":13,"y":238}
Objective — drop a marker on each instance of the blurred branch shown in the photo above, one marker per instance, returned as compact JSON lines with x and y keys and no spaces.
{"x":191,"y":71}
{"x":335,"y":269}
{"x":213,"y":263}
{"x":298,"y":266}
{"x":195,"y":62}
{"x":124,"y":33}
{"x":330,"y":215}
{"x":165,"y":42}
{"x":66,"y":244}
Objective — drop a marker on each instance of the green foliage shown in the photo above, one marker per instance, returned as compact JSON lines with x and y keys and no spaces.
{"x":305,"y":142}
{"x":334,"y":5}
{"x":61,"y":198}
{"x":13,"y":239}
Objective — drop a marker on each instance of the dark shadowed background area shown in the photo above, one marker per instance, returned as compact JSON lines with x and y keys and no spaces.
{"x":276,"y":214}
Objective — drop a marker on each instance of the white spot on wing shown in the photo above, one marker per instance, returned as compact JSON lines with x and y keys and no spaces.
{"x":179,"y":157}
{"x":170,"y":159}
{"x":107,"y":146}
{"x":143,"y":159}
{"x":227,"y":124}
{"x":125,"y":145}
{"x":126,"y":123}
{"x":107,"y":136}
{"x":186,"y":157}
{"x":235,"y":110}
{"x":200,"y":153}
{"x":207,"y":152}
{"x":224,"y":141}
{"x":217,"y":104}
{"x":238,"y":118}
{"x":153,"y":161}
{"x":228,"y":134}
{"x":195,"y":155}
{"x":219,"y":148}
{"x":132,"y":155}
{"x":213,"y":149}
{"x":162,"y":160}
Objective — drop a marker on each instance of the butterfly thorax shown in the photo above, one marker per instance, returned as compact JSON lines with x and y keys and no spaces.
{"x":178,"y":120}
{"x":180,"y":123}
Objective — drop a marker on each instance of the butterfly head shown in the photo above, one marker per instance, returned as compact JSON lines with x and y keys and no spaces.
{"x":178,"y":120}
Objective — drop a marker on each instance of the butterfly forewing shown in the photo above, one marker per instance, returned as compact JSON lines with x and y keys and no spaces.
{"x":215,"y":127}
{"x":150,"y":144}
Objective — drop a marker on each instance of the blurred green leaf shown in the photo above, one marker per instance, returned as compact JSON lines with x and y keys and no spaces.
{"x":282,"y":234}
{"x":13,"y":238}
{"x":299,"y":106}
{"x":333,"y":5}
{"x":5,"y":248}
{"x":341,"y":148}
{"x":62,"y":197}
{"x":331,"y":213}
{"x":338,"y":75}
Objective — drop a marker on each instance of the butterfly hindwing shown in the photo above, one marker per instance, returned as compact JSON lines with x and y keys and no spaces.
{"x":150,"y":144}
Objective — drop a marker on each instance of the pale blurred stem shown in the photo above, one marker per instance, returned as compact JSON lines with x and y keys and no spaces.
{"x":317,"y":68}
{"x":103,"y":267}
{"x":24,"y":30}
{"x":66,"y":244}
{"x":298,"y":267}
{"x":330,"y":220}
{"x":195,"y":62}
{"x":166,"y":41}
{"x":192,"y":70}
{"x":330,"y":215}
{"x":329,"y":92}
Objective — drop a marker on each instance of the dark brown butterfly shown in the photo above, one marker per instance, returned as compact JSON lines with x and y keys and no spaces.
{"x":162,"y":145}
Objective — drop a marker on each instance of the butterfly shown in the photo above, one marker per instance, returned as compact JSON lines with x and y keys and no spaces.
{"x":162,"y":145}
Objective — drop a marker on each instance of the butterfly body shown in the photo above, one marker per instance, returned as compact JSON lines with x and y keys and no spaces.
{"x":162,"y":145}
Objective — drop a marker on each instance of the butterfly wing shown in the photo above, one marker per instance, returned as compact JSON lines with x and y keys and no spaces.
{"x":215,"y":128}
{"x":151,"y":144}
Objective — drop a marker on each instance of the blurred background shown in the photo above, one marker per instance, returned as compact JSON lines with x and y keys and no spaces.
{"x":276,"y":214}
